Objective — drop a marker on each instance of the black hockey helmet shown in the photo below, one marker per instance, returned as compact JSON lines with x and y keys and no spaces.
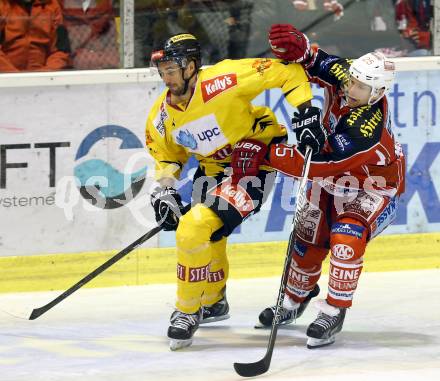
{"x":181,"y":48}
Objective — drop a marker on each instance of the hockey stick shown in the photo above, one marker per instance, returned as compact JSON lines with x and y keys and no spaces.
{"x":256,"y":368}
{"x":37,"y":312}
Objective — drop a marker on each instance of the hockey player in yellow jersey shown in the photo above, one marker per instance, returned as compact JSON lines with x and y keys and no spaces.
{"x":205,"y":112}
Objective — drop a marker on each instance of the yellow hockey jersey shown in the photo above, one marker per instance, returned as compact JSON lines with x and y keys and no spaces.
{"x":220,"y":113}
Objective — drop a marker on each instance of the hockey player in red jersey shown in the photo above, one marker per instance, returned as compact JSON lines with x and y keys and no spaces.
{"x":357,"y":174}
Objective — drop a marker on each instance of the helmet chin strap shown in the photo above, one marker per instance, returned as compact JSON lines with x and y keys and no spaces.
{"x":376,"y":94}
{"x":186,"y":86}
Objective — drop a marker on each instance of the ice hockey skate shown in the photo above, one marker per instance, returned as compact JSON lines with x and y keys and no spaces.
{"x":215,"y":312}
{"x":182,"y":329}
{"x":288,"y":312}
{"x":329,"y":322}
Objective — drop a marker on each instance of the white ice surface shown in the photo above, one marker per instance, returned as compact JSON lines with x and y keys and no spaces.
{"x":392,"y":333}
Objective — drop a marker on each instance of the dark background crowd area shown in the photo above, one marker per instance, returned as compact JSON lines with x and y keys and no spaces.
{"x":87,"y":36}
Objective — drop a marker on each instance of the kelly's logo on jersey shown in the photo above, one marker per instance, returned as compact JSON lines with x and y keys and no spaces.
{"x":237,"y":196}
{"x":214,"y":86}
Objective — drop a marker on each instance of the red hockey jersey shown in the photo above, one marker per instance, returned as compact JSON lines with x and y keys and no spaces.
{"x":361,"y":151}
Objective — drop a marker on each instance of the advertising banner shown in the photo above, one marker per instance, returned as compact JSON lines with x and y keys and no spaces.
{"x":70,"y":159}
{"x":75,"y":176}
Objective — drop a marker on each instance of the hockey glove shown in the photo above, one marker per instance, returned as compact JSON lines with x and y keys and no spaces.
{"x":247,"y":156}
{"x":306,"y":125}
{"x":289,"y":44}
{"x":168,"y":207}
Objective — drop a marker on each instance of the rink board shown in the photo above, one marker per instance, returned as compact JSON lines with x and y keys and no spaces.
{"x":158,"y":265}
{"x":87,"y":129}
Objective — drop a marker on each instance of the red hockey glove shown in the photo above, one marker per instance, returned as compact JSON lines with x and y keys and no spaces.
{"x":247,"y":156}
{"x":288,"y":43}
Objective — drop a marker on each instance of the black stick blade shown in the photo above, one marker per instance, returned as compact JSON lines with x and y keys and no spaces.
{"x":251,"y":369}
{"x":37,"y":312}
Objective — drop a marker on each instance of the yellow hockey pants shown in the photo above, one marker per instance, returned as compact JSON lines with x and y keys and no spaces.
{"x":202,"y":265}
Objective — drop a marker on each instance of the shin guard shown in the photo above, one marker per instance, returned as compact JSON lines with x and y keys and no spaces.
{"x":348,"y":239}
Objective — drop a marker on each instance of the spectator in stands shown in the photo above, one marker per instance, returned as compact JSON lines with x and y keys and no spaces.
{"x":413,"y":19}
{"x":156,"y":20}
{"x":92,"y":33}
{"x":333,"y":6}
{"x":32,"y":36}
{"x":222,"y":26}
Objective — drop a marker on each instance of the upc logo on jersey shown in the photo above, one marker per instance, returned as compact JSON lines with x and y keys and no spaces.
{"x":342,"y":251}
{"x":214,"y":86}
{"x":208,"y":134}
{"x":202,"y":136}
{"x":186,"y":139}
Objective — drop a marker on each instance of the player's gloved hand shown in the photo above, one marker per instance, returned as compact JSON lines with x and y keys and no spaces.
{"x":288,"y":43}
{"x":247,"y":156}
{"x":168,"y":207}
{"x":308,"y":129}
